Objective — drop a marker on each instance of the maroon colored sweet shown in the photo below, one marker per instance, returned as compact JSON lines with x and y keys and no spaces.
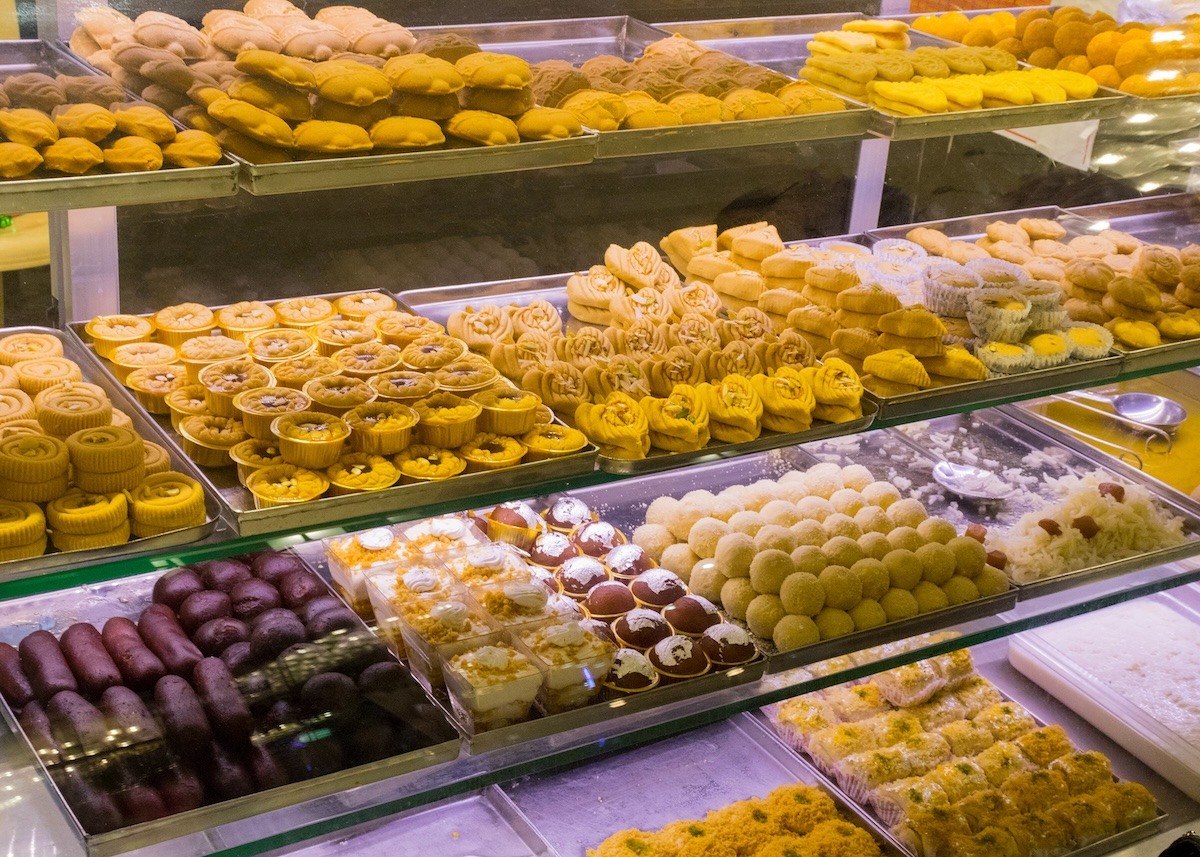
{"x":599,"y":628}
{"x":552,"y":549}
{"x":640,"y":628}
{"x":515,"y":514}
{"x":678,"y":657}
{"x":728,"y":645}
{"x":657,"y":588}
{"x":223,"y":574}
{"x":274,"y":566}
{"x":691,"y":615}
{"x":567,"y":513}
{"x":628,"y":561}
{"x":609,"y":599}
{"x":580,"y":574}
{"x":597,"y":538}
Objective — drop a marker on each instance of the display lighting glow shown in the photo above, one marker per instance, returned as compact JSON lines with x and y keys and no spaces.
{"x":1167,"y":36}
{"x":1163,"y":74}
{"x":1189,"y":148}
{"x":1148,"y":186}
{"x":1140,"y":118}
{"x":1109,"y":159}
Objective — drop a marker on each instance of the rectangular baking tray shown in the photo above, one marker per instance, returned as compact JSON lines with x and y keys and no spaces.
{"x":169,"y":184}
{"x":683,"y":777}
{"x":1175,"y":759}
{"x":249,"y":521}
{"x":95,"y":603}
{"x":484,"y":824}
{"x":439,"y":303}
{"x":625,"y":504}
{"x":782,"y":43}
{"x":1018,"y":451}
{"x":1183,"y":387}
{"x":992,"y":672}
{"x":578,"y":39}
{"x":17,"y":569}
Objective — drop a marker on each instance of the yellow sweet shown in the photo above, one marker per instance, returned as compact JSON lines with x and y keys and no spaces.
{"x":617,"y":425}
{"x":680,"y":422}
{"x":18,"y":159}
{"x":89,"y":121}
{"x":28,"y":126}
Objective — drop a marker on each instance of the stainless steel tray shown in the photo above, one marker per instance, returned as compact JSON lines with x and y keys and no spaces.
{"x":91,"y":191}
{"x":782,"y":43}
{"x":363,"y":170}
{"x":485,"y":824}
{"x":249,"y":521}
{"x":975,"y":226}
{"x":580,"y":39}
{"x":95,"y":603}
{"x":94,"y":373}
{"x":1096,"y":849}
{"x":439,"y":303}
{"x":1012,"y":445}
{"x":652,"y":786}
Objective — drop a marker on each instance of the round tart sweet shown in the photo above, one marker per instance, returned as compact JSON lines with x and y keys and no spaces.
{"x":42,"y":373}
{"x":609,"y":600}
{"x":402,"y":328}
{"x":1005,"y":358}
{"x":640,"y":628}
{"x":295,"y":372}
{"x":254,"y":454}
{"x":424,"y":463}
{"x":341,"y":333}
{"x":285,"y":485}
{"x":338,"y":394}
{"x":597,"y":538}
{"x":551,"y":440}
{"x":403,"y":386}
{"x":185,"y":401}
{"x":277,"y":344}
{"x":427,"y":353}
{"x":303,"y":313}
{"x":134,"y":355}
{"x":506,"y":410}
{"x":728,"y":645}
{"x":109,"y":331}
{"x":467,"y":374}
{"x":176,"y":324}
{"x":627,"y":561}
{"x":239,"y":320}
{"x":446,"y":420}
{"x":383,"y":428}
{"x":491,"y":452}
{"x":631,"y":672}
{"x":515,"y":523}
{"x":362,"y":304}
{"x":17,"y":347}
{"x":657,"y":588}
{"x":691,"y":615}
{"x":165,"y":502}
{"x":566,"y":513}
{"x":367,"y":359}
{"x":201,"y":351}
{"x":208,"y":438}
{"x":151,"y":384}
{"x":551,"y":550}
{"x":259,"y":407}
{"x":222,"y":381}
{"x":1049,"y":349}
{"x":310,"y":438}
{"x":677,"y":658}
{"x":578,"y":575}
{"x":361,"y":471}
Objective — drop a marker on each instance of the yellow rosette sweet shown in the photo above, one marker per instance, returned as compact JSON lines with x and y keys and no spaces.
{"x":164,"y":502}
{"x":33,"y":469}
{"x":678,"y":423}
{"x":788,"y":399}
{"x":735,"y":409}
{"x":69,"y":407}
{"x":22,"y":530}
{"x":617,"y":425}
{"x":837,"y":389}
{"x":79,"y":520}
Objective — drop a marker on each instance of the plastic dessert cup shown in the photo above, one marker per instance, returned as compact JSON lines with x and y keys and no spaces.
{"x":575,"y":662}
{"x":207,"y":440}
{"x":352,"y":557}
{"x":151,"y":384}
{"x":506,"y":410}
{"x":107,"y":332}
{"x":491,"y":687}
{"x":259,"y":407}
{"x":254,"y":454}
{"x":430,"y":642}
{"x":391,"y":585}
{"x":447,"y":420}
{"x":487,"y":452}
{"x":185,"y":401}
{"x":224,"y":380}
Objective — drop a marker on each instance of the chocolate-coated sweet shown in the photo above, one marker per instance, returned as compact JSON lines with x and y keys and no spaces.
{"x":515,"y":514}
{"x":78,"y":726}
{"x":640,"y":628}
{"x":238,"y":658}
{"x":300,"y":587}
{"x":330,"y":693}
{"x":335,"y":619}
{"x":728,"y":645}
{"x":567,"y":513}
{"x":631,"y":671}
{"x":129,"y":717}
{"x":552,"y":549}
{"x":252,"y":597}
{"x":164,"y":636}
{"x":657,"y":588}
{"x":628,"y":560}
{"x":609,"y":599}
{"x":184,"y":722}
{"x":83,"y":647}
{"x":176,"y":585}
{"x":36,"y":725}
{"x":140,"y":667}
{"x":691,"y":615}
{"x":14,"y":684}
{"x":579,"y":575}
{"x":677,"y":657}
{"x":597,"y":538}
{"x":270,"y":637}
{"x":317,"y":606}
{"x":227,"y":712}
{"x":204,"y":607}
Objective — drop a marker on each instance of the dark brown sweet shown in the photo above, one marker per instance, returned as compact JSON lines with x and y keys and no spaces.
{"x":567,"y":513}
{"x":274,"y":566}
{"x":515,"y":514}
{"x":184,"y":722}
{"x":382,"y":681}
{"x":14,"y":684}
{"x":223,"y":574}
{"x":140,"y":667}
{"x":640,"y":628}
{"x":678,"y":657}
{"x":35,"y":723}
{"x":330,"y":693}
{"x":271,"y":636}
{"x":252,"y":597}
{"x":597,"y":538}
{"x":580,"y":574}
{"x":180,"y":788}
{"x":36,"y":90}
{"x":131,"y":719}
{"x":96,"y":809}
{"x":175,"y":586}
{"x":299,"y":587}
{"x":631,"y":671}
{"x":140,"y":803}
{"x":628,"y":560}
{"x":265,"y":768}
{"x":691,"y":615}
{"x":318,"y":605}
{"x":728,"y":645}
{"x":371,"y":739}
{"x":226,"y":710}
{"x":238,"y":658}
{"x":217,"y":635}
{"x":44,"y":664}
{"x":204,"y":607}
{"x":552,"y":549}
{"x":228,"y":778}
{"x":657,"y":588}
{"x":328,"y":621}
{"x":84,"y":650}
{"x":78,"y":726}
{"x":609,"y":599}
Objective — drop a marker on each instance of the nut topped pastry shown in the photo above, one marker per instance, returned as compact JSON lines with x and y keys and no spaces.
{"x":358,"y":306}
{"x":224,"y":380}
{"x":341,"y":332}
{"x":240,"y":319}
{"x":109,"y":331}
{"x":180,"y":322}
{"x":337,"y":394}
{"x":280,"y":343}
{"x":302,"y":313}
{"x":295,"y":372}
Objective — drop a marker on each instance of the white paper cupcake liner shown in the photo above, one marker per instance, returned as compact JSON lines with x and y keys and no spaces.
{"x":899,"y":250}
{"x":1042,"y":320}
{"x":946,"y":301}
{"x":1083,"y":352}
{"x":998,"y":273}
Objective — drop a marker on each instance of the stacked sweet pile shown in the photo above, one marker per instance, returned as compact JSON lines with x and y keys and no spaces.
{"x":81,"y":124}
{"x":198,"y":697}
{"x":273,"y":84}
{"x":307,"y":395}
{"x":956,"y":769}
{"x":74,"y":473}
{"x":1144,"y":294}
{"x":869,"y":60}
{"x":576,"y":608}
{"x":674,"y":82}
{"x":817,"y":554}
{"x":1139,"y":58}
{"x":794,"y":819}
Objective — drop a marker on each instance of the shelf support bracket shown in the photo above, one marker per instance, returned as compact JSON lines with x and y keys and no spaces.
{"x":84,"y":274}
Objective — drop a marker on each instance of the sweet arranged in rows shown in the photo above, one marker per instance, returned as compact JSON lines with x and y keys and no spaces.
{"x":197,"y":697}
{"x":74,"y":472}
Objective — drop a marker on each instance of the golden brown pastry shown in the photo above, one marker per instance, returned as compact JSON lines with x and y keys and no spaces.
{"x":286,"y":102}
{"x":277,"y":67}
{"x":72,"y":155}
{"x":1160,"y":265}
{"x":679,"y":422}
{"x":897,"y":365}
{"x":734,"y":409}
{"x":251,"y":121}
{"x":677,"y":365}
{"x":133,"y":154}
{"x":560,"y":385}
{"x":915,"y":322}
{"x":486,"y":129}
{"x":494,"y":70}
{"x":89,"y":121}
{"x":316,"y":135}
{"x":17,"y":160}
{"x":28,"y":127}
{"x":616,"y":373}
{"x":548,"y":123}
{"x":1136,"y":293}
{"x":856,"y":342}
{"x":145,"y":121}
{"x":192,"y":148}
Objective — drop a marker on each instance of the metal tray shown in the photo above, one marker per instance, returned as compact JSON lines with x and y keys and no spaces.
{"x":580,"y":39}
{"x":1013,"y":445}
{"x":362,"y":170}
{"x":782,"y":43}
{"x":98,"y":602}
{"x":249,"y":521}
{"x":169,"y":184}
{"x":652,"y":786}
{"x":975,"y":226}
{"x":625,"y":505}
{"x":1096,"y":849}
{"x":17,"y":569}
{"x":439,"y":303}
{"x":1168,"y":470}
{"x":1035,"y":654}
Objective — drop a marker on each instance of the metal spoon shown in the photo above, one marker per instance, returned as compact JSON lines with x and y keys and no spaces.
{"x":1144,"y":408}
{"x":965,"y":480}
{"x":1149,"y":432}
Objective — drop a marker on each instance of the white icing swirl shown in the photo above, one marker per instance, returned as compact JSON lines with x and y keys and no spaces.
{"x":420,"y":580}
{"x":452,"y":614}
{"x":528,"y":596}
{"x":565,"y":636}
{"x":489,"y":658}
{"x":378,"y":539}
